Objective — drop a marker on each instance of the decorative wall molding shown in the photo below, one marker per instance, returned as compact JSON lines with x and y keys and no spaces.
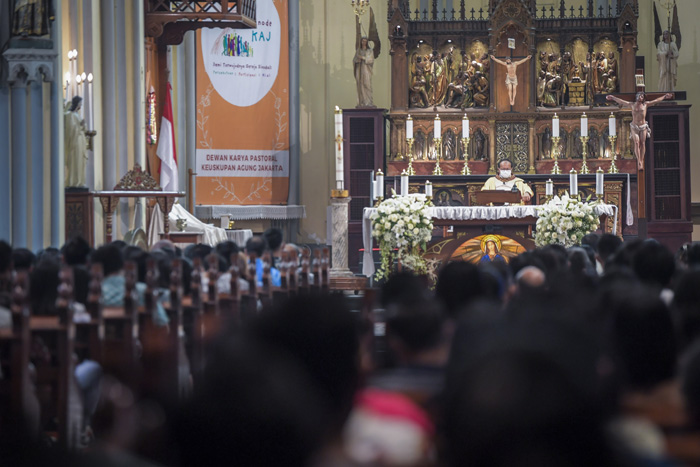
{"x":26,"y":65}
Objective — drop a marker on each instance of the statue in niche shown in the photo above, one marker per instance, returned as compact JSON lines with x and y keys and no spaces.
{"x":607,"y":147}
{"x":593,"y":144}
{"x":612,"y":63}
{"x":363,"y":62}
{"x":566,"y":66}
{"x":610,"y":85}
{"x":449,"y":146}
{"x":459,"y":93}
{"x":419,"y":146}
{"x":563,"y":145}
{"x":577,"y":149}
{"x":32,"y":17}
{"x":485,"y":64}
{"x":541,"y":83}
{"x":481,"y":90}
{"x":479,"y":145}
{"x":75,"y":145}
{"x":601,"y":69}
{"x":547,"y":143}
{"x":667,"y":56}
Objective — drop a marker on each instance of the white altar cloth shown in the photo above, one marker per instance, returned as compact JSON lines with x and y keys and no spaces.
{"x":466,"y":213}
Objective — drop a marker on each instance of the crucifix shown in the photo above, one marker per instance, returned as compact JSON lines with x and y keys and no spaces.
{"x":639,"y":133}
{"x":511,"y":69}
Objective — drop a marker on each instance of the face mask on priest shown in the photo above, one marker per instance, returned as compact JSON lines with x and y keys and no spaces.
{"x":504,"y":173}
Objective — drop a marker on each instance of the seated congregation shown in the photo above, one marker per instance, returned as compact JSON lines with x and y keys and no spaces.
{"x":243,"y":356}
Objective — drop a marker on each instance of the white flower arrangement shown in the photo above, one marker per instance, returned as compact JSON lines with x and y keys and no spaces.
{"x":402,"y":223}
{"x":564,"y":221}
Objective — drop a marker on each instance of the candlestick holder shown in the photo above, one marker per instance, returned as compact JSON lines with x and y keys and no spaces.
{"x":613,"y":149}
{"x":465,"y":169}
{"x":584,"y":164}
{"x":411,"y":171}
{"x":359,"y":6}
{"x":438,"y":149}
{"x":555,"y":152}
{"x":378,"y":200}
{"x":90,"y":136}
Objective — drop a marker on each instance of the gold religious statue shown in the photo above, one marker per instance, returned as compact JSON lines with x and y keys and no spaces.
{"x":31,"y":17}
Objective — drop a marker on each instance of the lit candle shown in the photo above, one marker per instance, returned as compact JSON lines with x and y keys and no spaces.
{"x":599,"y":178}
{"x":75,"y":72}
{"x":555,"y":126}
{"x":380,"y":184}
{"x":91,"y":106}
{"x":437,"y":129}
{"x":465,"y":126}
{"x":404,"y":183}
{"x":409,"y":127}
{"x":584,"y":125}
{"x":339,"y":169}
{"x":573,"y":182}
{"x":612,"y":125}
{"x":549,"y":188}
{"x":428,"y":188}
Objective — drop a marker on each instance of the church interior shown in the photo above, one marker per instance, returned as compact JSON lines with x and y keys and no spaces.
{"x":349,"y":232}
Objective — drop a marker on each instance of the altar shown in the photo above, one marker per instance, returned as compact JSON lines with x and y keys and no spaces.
{"x":462,"y":232}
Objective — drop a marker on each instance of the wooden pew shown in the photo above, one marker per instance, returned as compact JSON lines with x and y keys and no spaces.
{"x":280,"y":294}
{"x":229,"y":304}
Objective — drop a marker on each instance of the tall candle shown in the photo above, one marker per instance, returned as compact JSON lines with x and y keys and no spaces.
{"x":573,"y":182}
{"x":75,"y":72}
{"x":409,"y":127}
{"x":404,"y":183}
{"x":465,"y":126}
{"x":612,"y":125}
{"x":380,"y":184}
{"x":549,"y":188}
{"x":81,"y":93}
{"x":555,"y":126}
{"x":437,"y":129}
{"x":428,"y":188}
{"x":372,"y":186}
{"x":599,"y":178}
{"x":584,"y":125}
{"x":339,"y":168}
{"x":91,"y":106}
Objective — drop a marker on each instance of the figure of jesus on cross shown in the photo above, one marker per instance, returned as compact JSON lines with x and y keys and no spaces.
{"x":639,"y":128}
{"x":511,"y":77}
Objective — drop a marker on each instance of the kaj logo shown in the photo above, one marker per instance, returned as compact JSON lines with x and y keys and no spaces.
{"x":235,"y":46}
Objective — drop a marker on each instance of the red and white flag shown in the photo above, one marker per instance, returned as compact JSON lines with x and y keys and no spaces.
{"x":166,"y":147}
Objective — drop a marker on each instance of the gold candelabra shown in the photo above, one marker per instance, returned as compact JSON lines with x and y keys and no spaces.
{"x":465,"y":169}
{"x":360,"y":6}
{"x":555,"y":152}
{"x":584,"y":164}
{"x":411,"y":171}
{"x":438,"y":149}
{"x":613,"y":149}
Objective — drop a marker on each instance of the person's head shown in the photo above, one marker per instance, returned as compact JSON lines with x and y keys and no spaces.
{"x":504,"y":168}
{"x":364,"y":43}
{"x":611,"y":54}
{"x":23,"y":259}
{"x":44,"y":280}
{"x":273,"y":237}
{"x":5,"y":256}
{"x":322,"y":335}
{"x":76,"y":251}
{"x":654,"y":264}
{"x":256,"y":244}
{"x":110,"y":257}
{"x":226,"y":249}
{"x":608,"y":244}
{"x":76,"y":103}
{"x":591,"y":240}
{"x":508,"y":61}
{"x":667,"y":36}
{"x":458,"y":285}
{"x":640,"y":96}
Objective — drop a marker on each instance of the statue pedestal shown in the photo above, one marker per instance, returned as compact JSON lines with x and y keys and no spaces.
{"x":339,"y":242}
{"x":79,"y":214}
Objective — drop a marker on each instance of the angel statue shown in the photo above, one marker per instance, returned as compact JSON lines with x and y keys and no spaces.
{"x":364,"y":60}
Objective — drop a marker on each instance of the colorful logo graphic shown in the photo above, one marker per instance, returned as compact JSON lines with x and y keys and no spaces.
{"x":236,"y":46}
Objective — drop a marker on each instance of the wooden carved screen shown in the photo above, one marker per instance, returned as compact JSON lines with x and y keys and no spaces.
{"x":512,"y":143}
{"x":666,"y":168}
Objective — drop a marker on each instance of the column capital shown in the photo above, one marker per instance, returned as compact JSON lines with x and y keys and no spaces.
{"x":26,"y":65}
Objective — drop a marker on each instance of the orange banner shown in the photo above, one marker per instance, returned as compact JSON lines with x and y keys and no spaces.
{"x":243,"y":111}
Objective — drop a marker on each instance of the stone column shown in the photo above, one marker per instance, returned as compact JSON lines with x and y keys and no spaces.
{"x":37,"y":164}
{"x":19,"y":162}
{"x":5,"y":188}
{"x":339,"y":216}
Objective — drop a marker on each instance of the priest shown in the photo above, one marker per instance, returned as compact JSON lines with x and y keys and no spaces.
{"x":506,"y":181}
